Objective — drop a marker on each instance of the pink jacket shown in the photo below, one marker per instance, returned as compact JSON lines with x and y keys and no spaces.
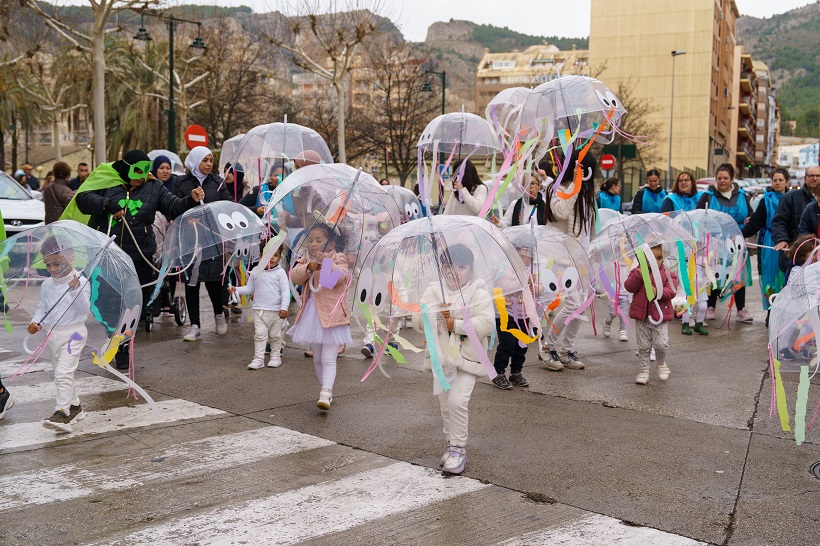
{"x":641,"y":306}
{"x":326,"y":300}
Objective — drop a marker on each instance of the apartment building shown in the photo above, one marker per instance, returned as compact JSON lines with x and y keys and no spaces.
{"x":768,"y":122}
{"x":744,"y":108}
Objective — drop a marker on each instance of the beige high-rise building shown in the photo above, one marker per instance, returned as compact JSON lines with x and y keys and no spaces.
{"x":634,"y":39}
{"x":744,"y":115}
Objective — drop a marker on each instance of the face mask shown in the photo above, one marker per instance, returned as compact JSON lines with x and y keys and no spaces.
{"x":139,"y":170}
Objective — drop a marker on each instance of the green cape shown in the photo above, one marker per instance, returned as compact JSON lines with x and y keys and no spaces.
{"x":101,"y":178}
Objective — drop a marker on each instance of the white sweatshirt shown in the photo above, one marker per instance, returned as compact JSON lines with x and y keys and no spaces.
{"x":270,"y":289}
{"x":70,"y":306}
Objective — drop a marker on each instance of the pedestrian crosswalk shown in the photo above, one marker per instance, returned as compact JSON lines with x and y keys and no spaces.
{"x":198,"y":475}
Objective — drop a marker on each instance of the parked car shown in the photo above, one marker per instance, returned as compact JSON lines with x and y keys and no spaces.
{"x":20,"y":210}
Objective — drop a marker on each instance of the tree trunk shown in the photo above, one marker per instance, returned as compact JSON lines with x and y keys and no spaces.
{"x":98,"y":83}
{"x":339,"y":84}
{"x":14,"y":144}
{"x":2,"y":149}
{"x":55,"y":136}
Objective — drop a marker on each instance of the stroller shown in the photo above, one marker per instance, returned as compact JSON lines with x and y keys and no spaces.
{"x":171,"y":299}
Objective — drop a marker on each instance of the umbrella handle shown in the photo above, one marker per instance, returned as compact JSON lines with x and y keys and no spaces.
{"x":660,"y":315}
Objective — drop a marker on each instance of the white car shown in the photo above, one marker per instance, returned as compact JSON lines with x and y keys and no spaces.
{"x":20,"y":210}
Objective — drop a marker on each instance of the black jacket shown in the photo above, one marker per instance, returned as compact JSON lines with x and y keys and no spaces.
{"x":786,"y":220}
{"x":186,"y":184}
{"x":809,"y":220}
{"x":153,"y":198}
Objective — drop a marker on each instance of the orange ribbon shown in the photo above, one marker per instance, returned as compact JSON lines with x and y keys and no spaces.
{"x":578,"y":179}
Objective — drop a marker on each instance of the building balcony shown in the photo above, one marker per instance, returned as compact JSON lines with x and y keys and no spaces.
{"x":747,"y":81}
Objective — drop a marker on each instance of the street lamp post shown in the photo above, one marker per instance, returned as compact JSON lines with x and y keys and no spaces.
{"x":675,"y":53}
{"x":426,"y":87}
{"x":197,"y":46}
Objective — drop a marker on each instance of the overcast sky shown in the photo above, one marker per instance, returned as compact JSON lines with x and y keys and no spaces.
{"x":539,"y":17}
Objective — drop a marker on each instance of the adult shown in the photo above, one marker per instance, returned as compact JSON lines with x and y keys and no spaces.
{"x":29,"y":179}
{"x":121,"y":198}
{"x":57,"y":195}
{"x":83,"y":170}
{"x":469,"y":192}
{"x":726,"y":196}
{"x":683,"y":196}
{"x":530,"y":209}
{"x":610,"y":195}
{"x":786,"y":220}
{"x":810,"y":219}
{"x":233,"y":176}
{"x":47,"y":181}
{"x":200,"y":164}
{"x":572,"y":211}
{"x":257,"y":199}
{"x":384,"y":182}
{"x":760,"y":223}
{"x":650,"y":197}
{"x":161,"y":169}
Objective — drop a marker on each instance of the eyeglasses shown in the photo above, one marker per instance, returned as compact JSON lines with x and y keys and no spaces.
{"x":813,"y":176}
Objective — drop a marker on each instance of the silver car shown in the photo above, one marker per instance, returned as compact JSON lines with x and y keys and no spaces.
{"x":20,"y":210}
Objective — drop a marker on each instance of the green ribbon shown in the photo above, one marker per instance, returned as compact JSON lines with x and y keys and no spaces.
{"x":684,"y":273}
{"x":800,"y":406}
{"x":647,"y":280}
{"x":432,"y":347}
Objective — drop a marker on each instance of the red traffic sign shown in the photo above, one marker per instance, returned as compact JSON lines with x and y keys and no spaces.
{"x":607,"y":162}
{"x":195,"y":136}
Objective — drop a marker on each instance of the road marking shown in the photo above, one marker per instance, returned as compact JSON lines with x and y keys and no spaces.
{"x":597,"y":530}
{"x":75,"y":480}
{"x":10,"y":367}
{"x":312,"y":511}
{"x":85,"y":386}
{"x":30,"y":434}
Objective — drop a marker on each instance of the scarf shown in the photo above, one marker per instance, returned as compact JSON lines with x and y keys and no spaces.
{"x":194,"y":159}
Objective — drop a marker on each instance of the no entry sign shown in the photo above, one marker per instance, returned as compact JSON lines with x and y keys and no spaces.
{"x":195,"y":136}
{"x":607,"y":162}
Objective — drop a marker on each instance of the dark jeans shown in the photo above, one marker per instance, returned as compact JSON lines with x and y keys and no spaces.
{"x":217,"y":292}
{"x":740,"y":298}
{"x":509,"y":350}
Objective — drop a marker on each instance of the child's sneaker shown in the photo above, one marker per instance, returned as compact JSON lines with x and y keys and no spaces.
{"x":256,"y":364}
{"x":456,"y":460}
{"x":501,"y":382}
{"x":550,"y":359}
{"x":652,"y":356}
{"x":6,"y":401}
{"x":75,"y":414}
{"x":446,"y":454}
{"x":622,"y":336}
{"x":518,"y":380}
{"x":221,"y":324}
{"x":710,"y":313}
{"x":663,"y":372}
{"x":368,"y":350}
{"x":325,"y":399}
{"x":193,"y":334}
{"x":607,"y":328}
{"x":394,"y":345}
{"x":275,"y":361}
{"x":570,"y":360}
{"x":643,"y":378}
{"x":58,"y":421}
{"x":744,"y":316}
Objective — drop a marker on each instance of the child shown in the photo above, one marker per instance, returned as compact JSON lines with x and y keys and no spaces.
{"x":797,"y":253}
{"x":651,"y":336}
{"x":623,"y":307}
{"x":270,"y":289}
{"x":322,"y":321}
{"x":63,"y":307}
{"x":457,"y":289}
{"x":699,"y":306}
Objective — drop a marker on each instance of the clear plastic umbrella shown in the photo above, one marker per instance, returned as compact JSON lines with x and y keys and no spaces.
{"x":177,"y":166}
{"x":502,"y":113}
{"x":409,"y":205}
{"x":229,"y":148}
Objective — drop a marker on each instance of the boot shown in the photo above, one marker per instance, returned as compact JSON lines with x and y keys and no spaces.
{"x":700,"y":329}
{"x":685,"y":330}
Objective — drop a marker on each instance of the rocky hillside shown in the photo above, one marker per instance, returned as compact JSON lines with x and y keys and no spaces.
{"x":789,"y":43}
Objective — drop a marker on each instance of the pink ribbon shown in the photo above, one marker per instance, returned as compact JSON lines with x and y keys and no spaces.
{"x":475,"y":343}
{"x":581,"y":309}
{"x":380,"y":353}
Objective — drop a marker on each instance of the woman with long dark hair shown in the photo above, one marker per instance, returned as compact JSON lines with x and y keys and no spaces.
{"x":469,"y":192}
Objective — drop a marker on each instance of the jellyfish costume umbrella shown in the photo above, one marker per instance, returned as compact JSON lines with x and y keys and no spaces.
{"x":409,"y":205}
{"x":409,"y":273}
{"x":229,"y":147}
{"x":106,"y":276}
{"x":604,"y":217}
{"x":502,"y":113}
{"x":177,"y":166}
{"x":558,"y":264}
{"x":629,"y":240}
{"x":219,"y":229}
{"x":794,"y":326}
{"x":275,"y":144}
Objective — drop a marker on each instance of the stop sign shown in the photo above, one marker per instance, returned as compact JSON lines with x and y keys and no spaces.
{"x":195,"y":136}
{"x":607,"y":162}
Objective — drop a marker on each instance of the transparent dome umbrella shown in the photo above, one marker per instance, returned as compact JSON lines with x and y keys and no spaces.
{"x":228,"y":151}
{"x":443,"y":263}
{"x":558,"y":263}
{"x":502,"y":113}
{"x":573,"y":108}
{"x":266,"y":147}
{"x":409,"y":205}
{"x":107,"y":290}
{"x":177,"y":166}
{"x":794,"y":324}
{"x":628,"y":242}
{"x":604,"y":217}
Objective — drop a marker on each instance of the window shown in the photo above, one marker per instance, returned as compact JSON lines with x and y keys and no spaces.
{"x":501,"y":65}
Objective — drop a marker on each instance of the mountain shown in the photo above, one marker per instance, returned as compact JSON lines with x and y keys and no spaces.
{"x":789,"y":44}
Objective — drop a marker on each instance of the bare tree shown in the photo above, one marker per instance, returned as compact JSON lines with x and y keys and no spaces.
{"x":637,"y":123}
{"x":92,"y":43}
{"x":326,"y":42}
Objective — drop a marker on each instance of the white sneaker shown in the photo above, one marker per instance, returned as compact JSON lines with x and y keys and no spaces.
{"x":622,"y":335}
{"x":325,"y":399}
{"x":256,"y":364}
{"x":456,"y":460}
{"x":652,"y":355}
{"x":607,"y":329}
{"x":663,"y":372}
{"x":221,"y":324}
{"x":275,"y":361}
{"x":193,"y":334}
{"x":642,"y":379}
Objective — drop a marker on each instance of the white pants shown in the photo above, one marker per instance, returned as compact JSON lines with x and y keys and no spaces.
{"x":700,"y":305}
{"x":623,"y":305}
{"x":651,"y":336}
{"x":570,"y":330}
{"x":65,"y":363}
{"x":324,"y":360}
{"x":267,"y":328}
{"x":454,"y":408}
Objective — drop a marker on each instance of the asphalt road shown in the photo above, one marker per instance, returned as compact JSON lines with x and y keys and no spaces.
{"x":236,"y":456}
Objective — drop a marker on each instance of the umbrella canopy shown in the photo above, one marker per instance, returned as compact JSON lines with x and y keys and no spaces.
{"x":459,"y":132}
{"x":502,"y":113}
{"x":409,"y":205}
{"x":177,"y":166}
{"x":229,"y":148}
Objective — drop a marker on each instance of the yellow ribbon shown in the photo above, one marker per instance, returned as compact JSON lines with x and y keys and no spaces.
{"x":498,"y":298}
{"x":782,"y":408}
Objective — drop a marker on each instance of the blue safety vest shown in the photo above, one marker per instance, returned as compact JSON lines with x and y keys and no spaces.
{"x":684,"y":202}
{"x":609,"y":201}
{"x":651,"y":201}
{"x":771,"y":199}
{"x":739,"y":212}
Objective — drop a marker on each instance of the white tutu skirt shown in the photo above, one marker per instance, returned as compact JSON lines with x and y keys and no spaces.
{"x":308,"y":330}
